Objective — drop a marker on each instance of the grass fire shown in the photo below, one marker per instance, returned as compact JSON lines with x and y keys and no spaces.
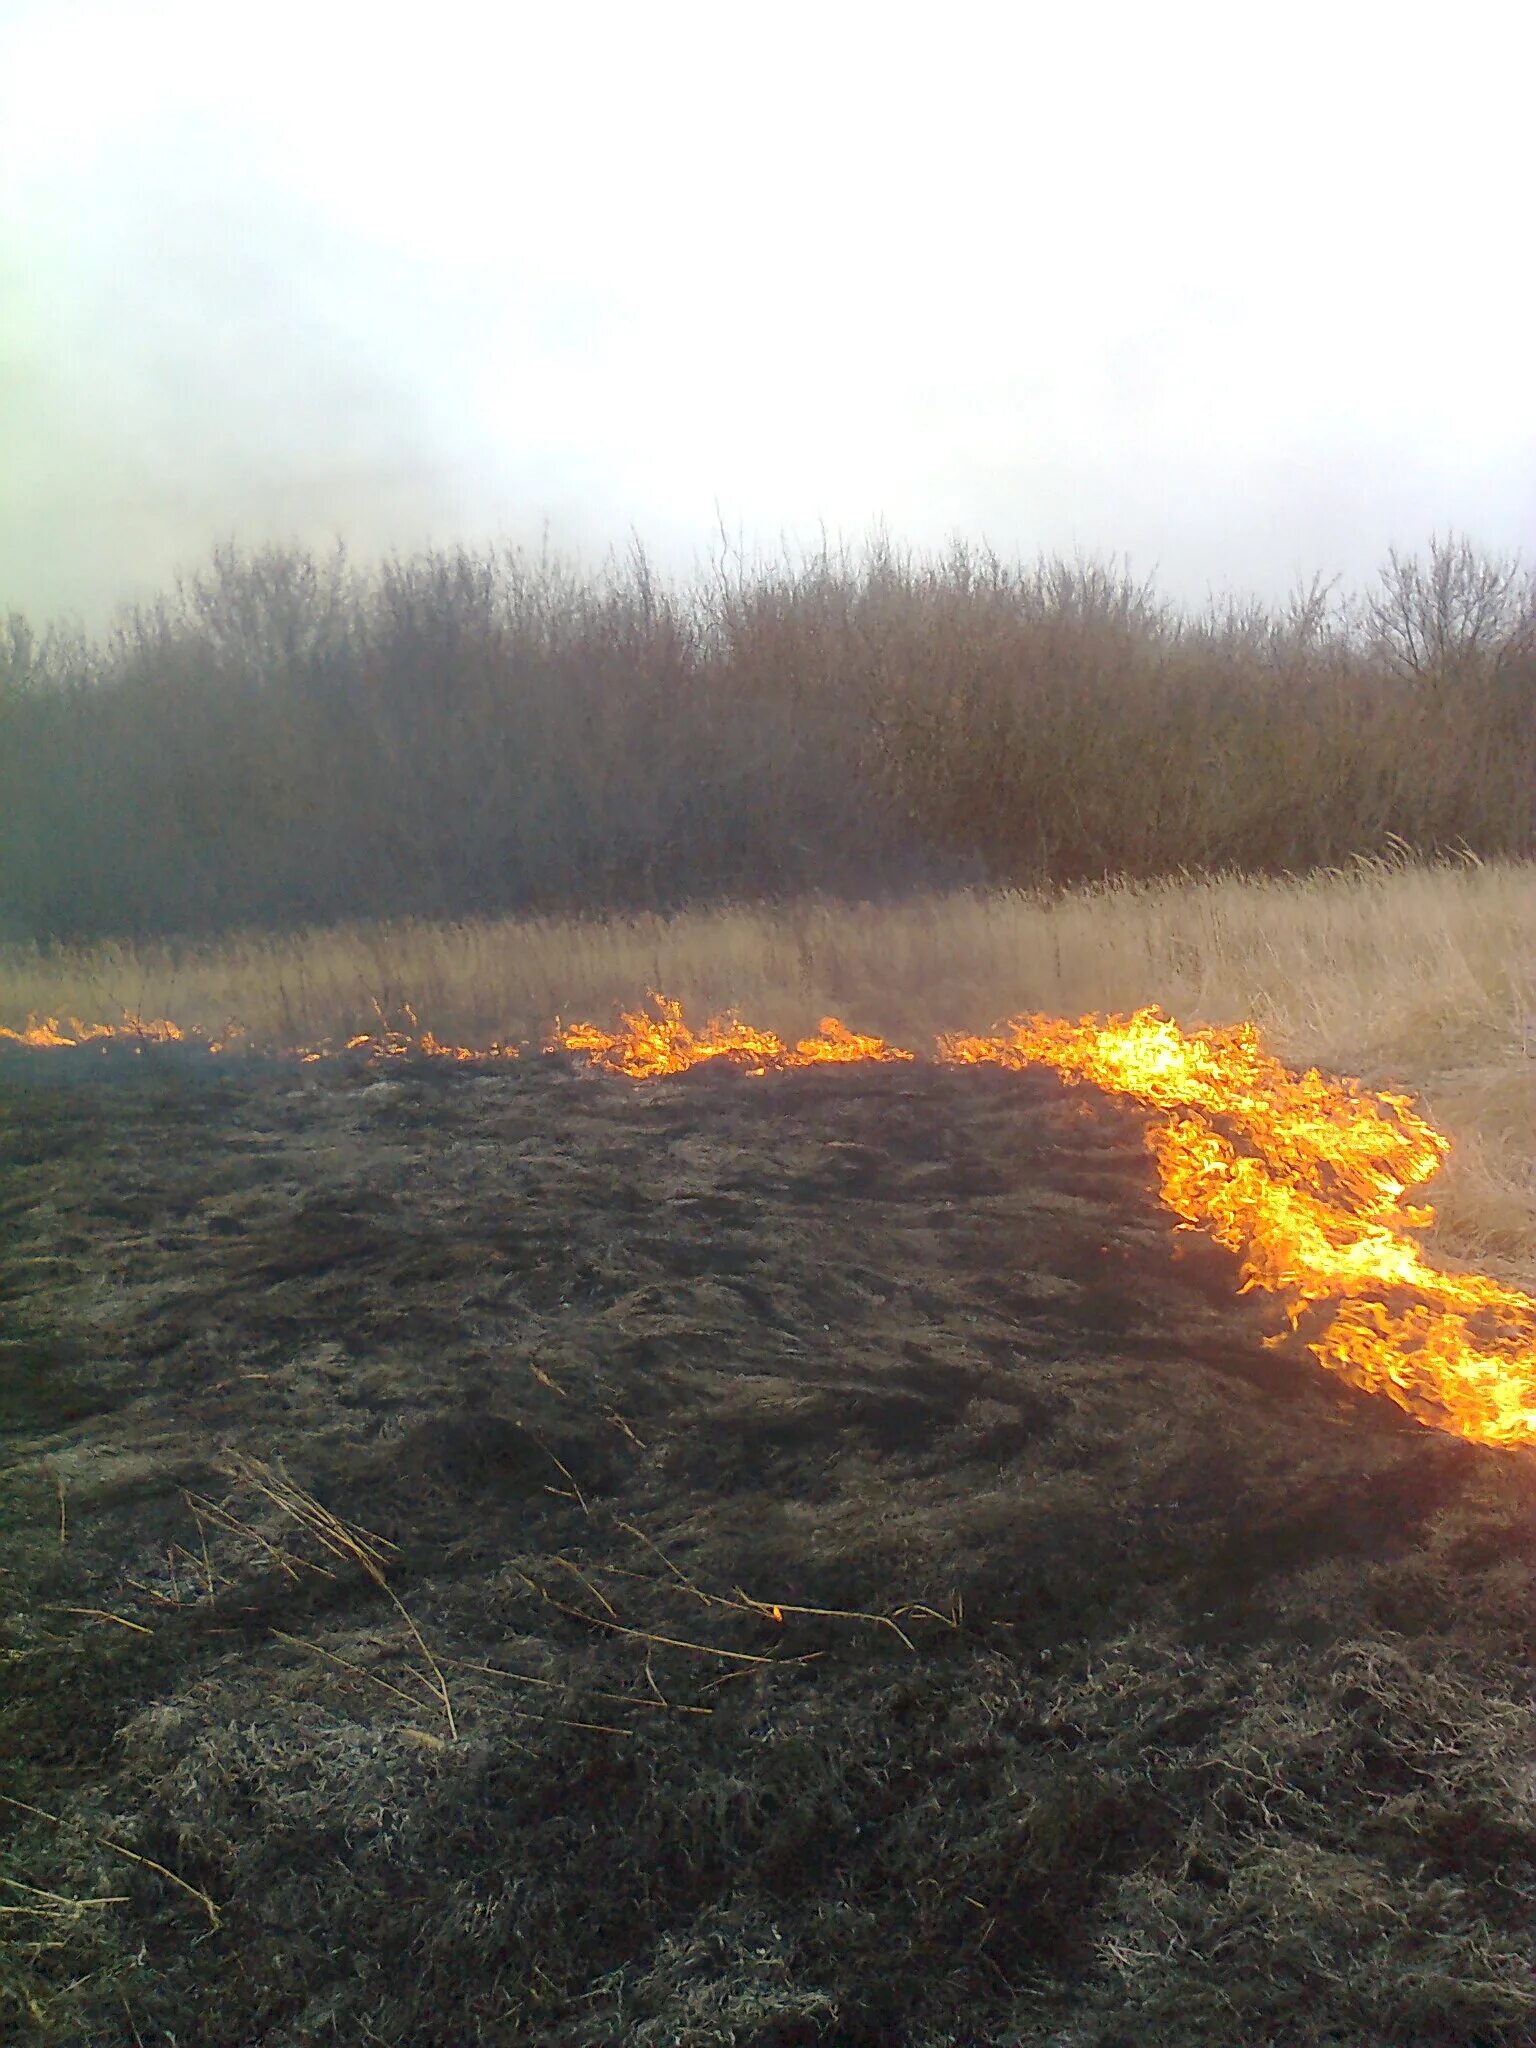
{"x":767,"y":1212}
{"x":1303,"y":1177}
{"x":719,"y":1527}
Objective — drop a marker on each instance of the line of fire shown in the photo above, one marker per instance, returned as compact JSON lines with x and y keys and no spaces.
{"x":1307,"y":1179}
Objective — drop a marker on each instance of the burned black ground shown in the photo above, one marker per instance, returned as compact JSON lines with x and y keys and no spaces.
{"x":1174,"y":1694}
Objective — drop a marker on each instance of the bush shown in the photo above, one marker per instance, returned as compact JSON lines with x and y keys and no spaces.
{"x":287,"y":739}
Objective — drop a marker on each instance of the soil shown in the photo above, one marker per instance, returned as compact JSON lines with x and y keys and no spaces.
{"x":516,"y":1556}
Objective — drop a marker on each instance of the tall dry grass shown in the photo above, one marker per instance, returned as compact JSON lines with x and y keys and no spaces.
{"x":1409,"y":975}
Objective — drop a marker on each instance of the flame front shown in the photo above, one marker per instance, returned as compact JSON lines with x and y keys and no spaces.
{"x":644,"y":1047}
{"x":47,"y":1032}
{"x":387,"y":1042}
{"x":1303,"y":1177}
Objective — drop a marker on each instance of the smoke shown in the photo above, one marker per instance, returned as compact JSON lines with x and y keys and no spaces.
{"x":1181,"y":286}
{"x":194,"y":354}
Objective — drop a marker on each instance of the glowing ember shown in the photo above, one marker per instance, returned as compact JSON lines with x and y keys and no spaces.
{"x":647,"y":1046}
{"x":1304,"y":1178}
{"x":388,"y":1042}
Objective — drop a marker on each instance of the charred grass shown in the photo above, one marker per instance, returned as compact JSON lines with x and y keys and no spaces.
{"x":519,"y":1558}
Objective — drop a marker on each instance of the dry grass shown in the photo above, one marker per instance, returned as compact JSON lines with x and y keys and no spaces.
{"x":1413,"y":976}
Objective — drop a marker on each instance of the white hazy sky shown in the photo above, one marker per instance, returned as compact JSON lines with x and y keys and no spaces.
{"x":1239,"y":292}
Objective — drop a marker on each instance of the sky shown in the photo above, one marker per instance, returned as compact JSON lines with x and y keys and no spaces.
{"x":1232,"y":294}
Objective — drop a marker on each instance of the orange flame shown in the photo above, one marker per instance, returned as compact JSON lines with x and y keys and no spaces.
{"x":49,"y":1032}
{"x":1304,"y":1178}
{"x":134,"y":1033}
{"x":644,"y":1047}
{"x":390,"y":1043}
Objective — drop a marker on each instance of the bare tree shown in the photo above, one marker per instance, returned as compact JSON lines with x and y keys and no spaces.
{"x":1457,"y":611}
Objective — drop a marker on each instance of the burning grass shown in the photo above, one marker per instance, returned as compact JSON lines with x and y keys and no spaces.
{"x":1305,"y":1179}
{"x":1391,"y":969}
{"x":773,"y":1540}
{"x":1302,"y":1176}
